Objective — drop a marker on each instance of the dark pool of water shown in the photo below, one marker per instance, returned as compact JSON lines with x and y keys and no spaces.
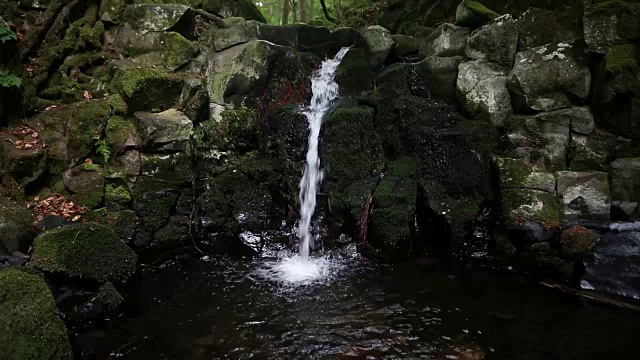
{"x":203,"y":308}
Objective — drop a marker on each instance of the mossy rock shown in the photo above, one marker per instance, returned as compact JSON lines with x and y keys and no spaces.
{"x":622,"y":57}
{"x":392,"y":230}
{"x":153,"y":201}
{"x":285,"y":134}
{"x":23,"y":165}
{"x":235,"y":131}
{"x":122,"y":222}
{"x":148,"y":89}
{"x":518,"y":173}
{"x":16,"y":229}
{"x":116,"y":197}
{"x":522,"y":208}
{"x":168,"y":50}
{"x":473,"y":14}
{"x":88,"y":250}
{"x":120,"y":134}
{"x":86,"y":183}
{"x":237,"y":8}
{"x":354,"y":74}
{"x":176,"y":167}
{"x":577,"y":241}
{"x":29,"y":321}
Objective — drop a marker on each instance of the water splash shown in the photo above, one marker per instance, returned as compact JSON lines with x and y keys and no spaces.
{"x":325,"y":91}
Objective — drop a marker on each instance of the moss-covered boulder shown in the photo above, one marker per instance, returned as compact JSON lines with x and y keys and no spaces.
{"x":537,"y":27}
{"x":70,"y":131}
{"x":164,"y":50}
{"x":436,"y":77}
{"x":88,"y":250}
{"x":378,"y":43}
{"x":86,"y":183}
{"x":16,"y":229}
{"x":473,"y":14}
{"x":354,"y":74}
{"x":153,"y":202}
{"x":176,"y":167}
{"x":111,"y":10}
{"x":577,"y":241}
{"x":126,"y":165}
{"x":30,"y":324}
{"x":121,"y":134}
{"x":116,"y":197}
{"x":235,"y":130}
{"x":407,"y":47}
{"x":165,"y":130}
{"x":123,"y":222}
{"x":150,"y":17}
{"x":286,"y":134}
{"x":146,"y":89}
{"x":531,"y":215}
{"x":518,"y":173}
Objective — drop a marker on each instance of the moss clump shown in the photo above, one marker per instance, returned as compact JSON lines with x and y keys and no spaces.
{"x":118,"y":194}
{"x":522,"y":205}
{"x":513,"y":172}
{"x":108,"y":296}
{"x":88,"y":250}
{"x":236,"y":131}
{"x":29,"y":322}
{"x":120,"y":133}
{"x":123,"y":222}
{"x":622,"y":57}
{"x":479,"y":8}
{"x":180,"y":50}
{"x":577,"y":241}
{"x":130,"y":81}
{"x":117,"y":104}
{"x":90,"y":167}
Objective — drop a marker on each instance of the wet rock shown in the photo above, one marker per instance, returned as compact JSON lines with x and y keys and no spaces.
{"x":170,"y":167}
{"x":354,"y":74}
{"x":88,"y":250}
{"x":116,"y":197}
{"x":235,"y":130}
{"x":614,"y":266}
{"x":157,"y":130}
{"x":550,"y":77}
{"x":473,"y":14}
{"x":378,"y":43}
{"x":611,"y":23}
{"x":175,"y":233}
{"x":482,"y":89}
{"x":436,"y":76}
{"x":407,"y":47}
{"x":145,"y":18}
{"x":153,"y":201}
{"x":70,"y":131}
{"x":445,"y":40}
{"x":167,"y":50}
{"x":86,"y":183}
{"x":495,"y":42}
{"x":147,"y":89}
{"x":16,"y":230}
{"x":287,"y":134}
{"x":122,"y":222}
{"x":345,"y":36}
{"x":537,"y":27}
{"x":530,"y":215}
{"x":28,"y":308}
{"x":585,"y":195}
{"x":314,"y":39}
{"x":577,"y":241}
{"x":517,"y":173}
{"x":279,"y":35}
{"x":23,"y":164}
{"x":625,"y":191}
{"x":236,"y":33}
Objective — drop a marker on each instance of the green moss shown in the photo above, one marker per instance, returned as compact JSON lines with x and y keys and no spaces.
{"x":129,"y":81}
{"x":180,"y":49}
{"x":29,"y":321}
{"x":109,"y":296}
{"x":405,"y":167}
{"x":117,"y":133}
{"x":478,"y":7}
{"x":519,"y":206}
{"x":123,"y":222}
{"x":622,"y":57}
{"x":237,"y":131}
{"x":513,"y":172}
{"x":90,"y":167}
{"x":87,"y":250}
{"x":117,"y":194}
{"x":577,"y":241}
{"x":117,"y":104}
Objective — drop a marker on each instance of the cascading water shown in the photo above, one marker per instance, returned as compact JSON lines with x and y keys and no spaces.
{"x":325,"y":91}
{"x":301,"y":269}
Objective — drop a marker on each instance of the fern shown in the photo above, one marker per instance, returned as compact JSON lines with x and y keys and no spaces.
{"x":9,"y":80}
{"x":6,"y":34}
{"x":102,"y":148}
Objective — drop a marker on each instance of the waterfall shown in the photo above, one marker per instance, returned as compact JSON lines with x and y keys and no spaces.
{"x":325,"y":91}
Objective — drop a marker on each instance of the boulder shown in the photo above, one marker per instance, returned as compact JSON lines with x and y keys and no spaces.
{"x":314,"y":39}
{"x":537,"y":27}
{"x":482,"y":89}
{"x":614,"y":267}
{"x":175,"y":233}
{"x":625,"y":189}
{"x":287,"y":135}
{"x":86,"y":183}
{"x":153,"y":201}
{"x":445,"y":40}
{"x":611,"y":23}
{"x":407,"y":47}
{"x":22,"y":157}
{"x":16,"y":226}
{"x":577,"y":241}
{"x":235,"y":130}
{"x":30,"y":322}
{"x":126,"y":165}
{"x":170,"y":167}
{"x":145,"y":18}
{"x":530,"y":215}
{"x":378,"y":42}
{"x":279,"y":35}
{"x":234,"y":8}
{"x":473,"y":14}
{"x":88,"y":250}
{"x":116,"y":197}
{"x":586,"y":195}
{"x":495,"y":42}
{"x":594,"y":151}
{"x":518,"y":174}
{"x":70,"y":131}
{"x":435,"y":76}
{"x":550,"y":77}
{"x":354,"y":74}
{"x":237,"y":32}
{"x":162,"y":130}
{"x":167,"y":50}
{"x":146,"y":89}
{"x":121,"y":134}
{"x":122,"y":222}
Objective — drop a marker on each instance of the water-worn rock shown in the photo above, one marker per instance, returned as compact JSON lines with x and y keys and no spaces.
{"x":550,"y":77}
{"x":495,"y":42}
{"x":30,"y":323}
{"x":445,"y":40}
{"x":407,"y":47}
{"x":585,"y":195}
{"x":530,"y":215}
{"x":88,"y":250}
{"x":518,"y":173}
{"x":482,"y":89}
{"x":158,"y":130}
{"x":473,"y":14}
{"x":611,"y":23}
{"x":234,"y":130}
{"x":378,"y":42}
{"x":625,"y":188}
{"x":614,"y":266}
{"x":86,"y":183}
{"x":16,"y":229}
{"x":577,"y":241}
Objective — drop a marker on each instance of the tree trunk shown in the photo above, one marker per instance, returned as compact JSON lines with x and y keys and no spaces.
{"x":285,"y":12}
{"x":310,"y":10}
{"x":303,"y":11}
{"x":294,"y":10}
{"x":326,"y":12}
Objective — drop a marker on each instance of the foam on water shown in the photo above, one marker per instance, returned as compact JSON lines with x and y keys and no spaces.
{"x":294,"y":271}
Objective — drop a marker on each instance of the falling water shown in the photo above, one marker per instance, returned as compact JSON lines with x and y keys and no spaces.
{"x":325,"y":91}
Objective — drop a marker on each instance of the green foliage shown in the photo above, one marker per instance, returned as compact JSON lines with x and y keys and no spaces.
{"x":102,"y":148}
{"x":6,"y":34}
{"x":9,"y":80}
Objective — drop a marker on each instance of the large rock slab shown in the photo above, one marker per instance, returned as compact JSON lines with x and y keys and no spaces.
{"x":158,"y":130}
{"x":550,"y":77}
{"x":611,"y":23}
{"x":445,"y":40}
{"x":30,"y":322}
{"x":146,"y":89}
{"x":537,"y":27}
{"x":482,"y":89}
{"x":586,"y":195}
{"x":22,"y":157}
{"x":473,"y":14}
{"x":436,"y":76}
{"x":495,"y":42}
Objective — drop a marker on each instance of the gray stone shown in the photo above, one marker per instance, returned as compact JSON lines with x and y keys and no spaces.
{"x":171,"y":167}
{"x":236,"y":33}
{"x":625,"y":180}
{"x":495,"y":42}
{"x":126,"y":165}
{"x":537,"y":27}
{"x":533,"y":215}
{"x":159,"y":129}
{"x":86,"y":183}
{"x":473,"y":14}
{"x":549,"y":77}
{"x":144,"y":18}
{"x":445,"y":40}
{"x":586,"y":195}
{"x":482,"y":88}
{"x":406,"y":46}
{"x":378,"y":41}
{"x":592,"y":152}
{"x":611,"y":23}
{"x":436,"y":76}
{"x":16,"y":229}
